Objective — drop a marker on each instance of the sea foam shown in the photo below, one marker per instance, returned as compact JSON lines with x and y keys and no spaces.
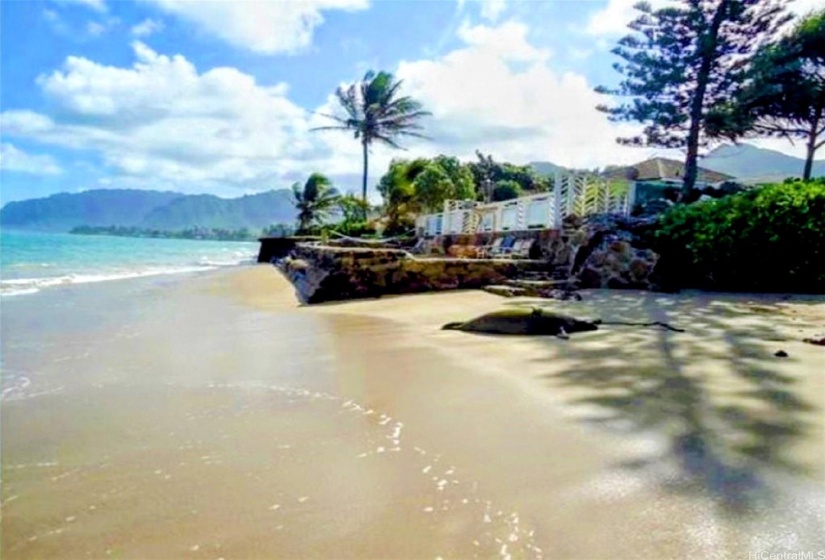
{"x":23,"y":286}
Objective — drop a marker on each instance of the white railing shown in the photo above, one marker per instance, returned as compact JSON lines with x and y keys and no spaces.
{"x":582,"y":195}
{"x":572,"y":194}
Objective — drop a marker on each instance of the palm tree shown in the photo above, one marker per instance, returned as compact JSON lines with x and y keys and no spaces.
{"x":375,"y":112}
{"x":314,"y":200}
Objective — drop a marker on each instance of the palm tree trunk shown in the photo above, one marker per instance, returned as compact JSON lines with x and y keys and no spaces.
{"x":364,"y":182}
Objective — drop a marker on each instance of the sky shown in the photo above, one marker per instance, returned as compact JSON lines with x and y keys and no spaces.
{"x":221,"y":96}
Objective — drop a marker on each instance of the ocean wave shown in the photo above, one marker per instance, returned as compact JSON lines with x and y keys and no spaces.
{"x":238,"y":259}
{"x":20,"y":387}
{"x":25,"y":286}
{"x":14,"y":384}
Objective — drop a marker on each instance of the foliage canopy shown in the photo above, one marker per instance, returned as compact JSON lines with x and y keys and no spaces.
{"x":785,"y":92}
{"x":765,"y":239}
{"x":506,"y":190}
{"x":683,"y":60}
{"x":314,"y":200}
{"x":422,"y":185}
{"x":488,"y":172}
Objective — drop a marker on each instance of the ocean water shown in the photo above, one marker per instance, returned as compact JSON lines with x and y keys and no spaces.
{"x":34,"y":261}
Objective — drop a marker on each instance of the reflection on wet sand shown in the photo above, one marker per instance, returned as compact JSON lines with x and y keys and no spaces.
{"x":217,"y":419}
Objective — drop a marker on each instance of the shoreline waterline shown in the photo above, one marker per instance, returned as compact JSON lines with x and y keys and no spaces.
{"x":32,"y":262}
{"x":258,"y":428}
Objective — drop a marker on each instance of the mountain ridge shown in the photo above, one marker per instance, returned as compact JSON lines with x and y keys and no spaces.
{"x":750,"y":163}
{"x":745,"y":162}
{"x":163,"y":210}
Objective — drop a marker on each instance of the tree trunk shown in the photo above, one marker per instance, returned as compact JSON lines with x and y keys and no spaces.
{"x":697,"y":104}
{"x":364,"y":182}
{"x":810,"y":147}
{"x":809,"y":159}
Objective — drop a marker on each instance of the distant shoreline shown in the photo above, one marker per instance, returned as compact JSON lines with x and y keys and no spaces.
{"x":195,"y":234}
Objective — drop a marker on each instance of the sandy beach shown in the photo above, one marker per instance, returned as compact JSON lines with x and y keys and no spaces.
{"x":216,"y":418}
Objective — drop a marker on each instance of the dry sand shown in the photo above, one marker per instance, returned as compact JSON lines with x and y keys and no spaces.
{"x":230,"y":422}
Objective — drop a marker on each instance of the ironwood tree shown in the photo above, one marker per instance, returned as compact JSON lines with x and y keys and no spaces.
{"x":683,"y":60}
{"x":785,"y":93}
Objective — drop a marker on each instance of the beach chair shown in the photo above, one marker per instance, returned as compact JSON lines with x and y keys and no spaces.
{"x":523,"y":249}
{"x":516,"y":250}
{"x":419,"y":247}
{"x":486,"y":251}
{"x":505,"y":248}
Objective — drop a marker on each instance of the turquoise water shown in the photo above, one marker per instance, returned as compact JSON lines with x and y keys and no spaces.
{"x":33,"y":261}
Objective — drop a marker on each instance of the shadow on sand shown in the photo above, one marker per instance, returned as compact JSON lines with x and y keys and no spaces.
{"x":715,"y":393}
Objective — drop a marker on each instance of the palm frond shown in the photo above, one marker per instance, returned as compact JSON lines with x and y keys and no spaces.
{"x":390,"y":92}
{"x":348,"y":99}
{"x":297,"y":192}
{"x":413,"y":134}
{"x":324,"y":128}
{"x":385,"y":139}
{"x":373,"y":110}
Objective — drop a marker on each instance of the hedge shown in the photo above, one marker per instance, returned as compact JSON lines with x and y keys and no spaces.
{"x":769,"y":239}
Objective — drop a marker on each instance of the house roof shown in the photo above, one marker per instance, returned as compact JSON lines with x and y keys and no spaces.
{"x":663,"y":168}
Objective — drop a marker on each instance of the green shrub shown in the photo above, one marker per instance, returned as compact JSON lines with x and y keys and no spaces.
{"x":352,"y":229}
{"x":768,"y":239}
{"x":506,"y":190}
{"x":401,"y":226}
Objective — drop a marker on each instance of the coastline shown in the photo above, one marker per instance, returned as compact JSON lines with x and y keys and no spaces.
{"x":550,"y":457}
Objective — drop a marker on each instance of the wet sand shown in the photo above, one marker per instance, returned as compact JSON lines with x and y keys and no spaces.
{"x":215,"y":418}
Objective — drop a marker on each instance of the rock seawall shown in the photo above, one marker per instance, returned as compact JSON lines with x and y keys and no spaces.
{"x":604,"y":251}
{"x":600,"y":251}
{"x":323,"y":273}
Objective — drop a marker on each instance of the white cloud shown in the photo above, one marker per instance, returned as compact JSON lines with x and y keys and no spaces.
{"x":508,"y":41}
{"x":104,"y":26}
{"x":97,"y":5}
{"x":56,"y":22}
{"x":78,"y":31}
{"x":263,"y":27}
{"x":804,"y":7}
{"x":613,"y":18}
{"x":24,"y":122}
{"x":491,"y":10}
{"x":521,"y":112}
{"x":15,"y":159}
{"x":95,"y":28}
{"x":161,"y":122}
{"x":147,"y":27}
{"x":579,"y":54}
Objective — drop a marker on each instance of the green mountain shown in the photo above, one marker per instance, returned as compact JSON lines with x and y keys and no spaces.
{"x":745,"y":162}
{"x":751,"y":164}
{"x":252,"y":211}
{"x":105,"y":207}
{"x":546,"y":168}
{"x":148,"y":209}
